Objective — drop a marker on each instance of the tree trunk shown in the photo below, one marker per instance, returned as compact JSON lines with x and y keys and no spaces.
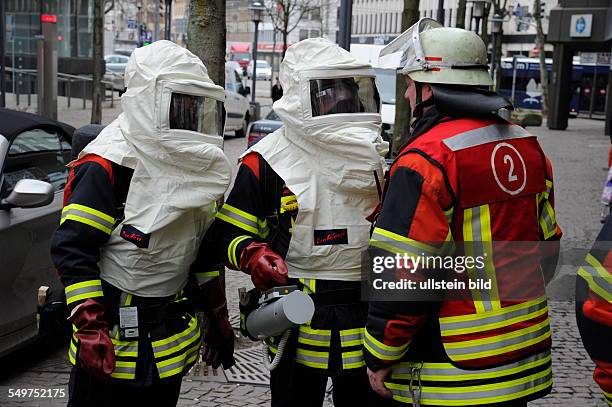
{"x":401,"y":129}
{"x":285,"y":39}
{"x":498,"y":57}
{"x":540,"y":40}
{"x":460,"y":23}
{"x":206,"y":31}
{"x":98,"y":61}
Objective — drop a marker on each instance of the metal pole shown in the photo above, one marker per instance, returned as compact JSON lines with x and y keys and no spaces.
{"x":344,"y":33}
{"x":2,"y":33}
{"x":168,"y":20}
{"x":40,"y":77}
{"x":254,"y":75}
{"x":440,"y":14}
{"x":593,"y":90}
{"x":493,"y":57}
{"x":514,"y":60}
{"x":156,"y":20}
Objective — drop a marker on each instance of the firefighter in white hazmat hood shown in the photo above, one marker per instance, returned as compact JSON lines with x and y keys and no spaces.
{"x":297,"y":215}
{"x":137,"y":206}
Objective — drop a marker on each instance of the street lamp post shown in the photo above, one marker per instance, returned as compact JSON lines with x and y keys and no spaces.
{"x":257,"y":7}
{"x":496,"y":28}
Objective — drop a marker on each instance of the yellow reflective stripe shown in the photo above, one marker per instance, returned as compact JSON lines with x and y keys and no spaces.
{"x":549,"y":185}
{"x":89,"y":210}
{"x":288,"y":198}
{"x":311,"y":358}
{"x":124,"y":370}
{"x":86,"y":221}
{"x":240,"y":212}
{"x":309,"y":284}
{"x":487,"y":239}
{"x":407,"y":241}
{"x":504,"y":349}
{"x":231,"y":250}
{"x":205,"y":277}
{"x":383,"y":351}
{"x":496,"y":338}
{"x":353,"y":359}
{"x":237,"y":223}
{"x":176,"y":365}
{"x":468,"y":237}
{"x":603,"y":272}
{"x":351,"y":337}
{"x":72,"y":350}
{"x":448,"y":214}
{"x":502,"y":311}
{"x":316,"y":337}
{"x":193,"y":324}
{"x":446,"y":372}
{"x":84,"y":290}
{"x":263,"y":231}
{"x":460,"y":396}
{"x":594,"y":286}
{"x":547,"y":220}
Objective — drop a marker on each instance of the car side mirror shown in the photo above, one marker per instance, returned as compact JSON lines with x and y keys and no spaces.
{"x":29,"y":193}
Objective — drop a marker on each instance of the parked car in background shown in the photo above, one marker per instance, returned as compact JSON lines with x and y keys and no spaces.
{"x":34,"y":152}
{"x":116,"y":63}
{"x":261,"y":128}
{"x":264,"y":70}
{"x":237,"y":115}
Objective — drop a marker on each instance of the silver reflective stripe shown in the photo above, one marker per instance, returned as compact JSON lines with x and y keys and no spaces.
{"x":601,"y":281}
{"x":179,"y":342}
{"x":239,"y":218}
{"x":484,"y":135}
{"x":395,"y":353}
{"x":347,"y":361}
{"x":73,"y":211}
{"x":308,"y":357}
{"x":499,"y":344}
{"x":344,"y":339}
{"x":550,"y":223}
{"x":119,"y":349}
{"x":178,"y":364}
{"x":125,"y":369}
{"x":478,"y":250}
{"x":499,"y":316}
{"x":315,"y":337}
{"x":451,"y":371}
{"x":397,"y":246}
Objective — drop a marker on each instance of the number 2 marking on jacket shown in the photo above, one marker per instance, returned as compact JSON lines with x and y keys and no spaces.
{"x":511,"y":176}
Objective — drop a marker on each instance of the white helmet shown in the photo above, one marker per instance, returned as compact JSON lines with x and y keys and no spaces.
{"x":430,"y":53}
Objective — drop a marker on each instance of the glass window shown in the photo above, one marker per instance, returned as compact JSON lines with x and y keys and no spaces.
{"x":343,"y":95}
{"x":37,"y":154}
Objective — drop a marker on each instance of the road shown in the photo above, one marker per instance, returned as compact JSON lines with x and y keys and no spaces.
{"x":579,"y":157}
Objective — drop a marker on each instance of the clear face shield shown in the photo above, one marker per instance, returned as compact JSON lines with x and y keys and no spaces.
{"x":406,"y":52}
{"x":195,"y":113}
{"x":344,"y":95}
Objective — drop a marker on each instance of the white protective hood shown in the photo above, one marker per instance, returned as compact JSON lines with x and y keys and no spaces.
{"x":174,"y":170}
{"x":178,"y":174}
{"x":327,"y":161}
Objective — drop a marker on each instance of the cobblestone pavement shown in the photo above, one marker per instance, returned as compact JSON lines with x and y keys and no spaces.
{"x":579,"y":157}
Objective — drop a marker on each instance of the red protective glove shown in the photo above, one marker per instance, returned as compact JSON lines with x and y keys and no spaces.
{"x":96,"y":353}
{"x":219,"y":334}
{"x":267,"y":269}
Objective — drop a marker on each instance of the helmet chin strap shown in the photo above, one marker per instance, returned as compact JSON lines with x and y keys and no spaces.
{"x":420,"y":103}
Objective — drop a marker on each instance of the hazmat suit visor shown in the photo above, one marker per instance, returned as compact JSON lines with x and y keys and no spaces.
{"x":406,"y":51}
{"x":344,"y":95}
{"x":195,"y":113}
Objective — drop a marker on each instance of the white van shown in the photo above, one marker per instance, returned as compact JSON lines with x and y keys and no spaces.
{"x":385,"y":81}
{"x":236,"y":103}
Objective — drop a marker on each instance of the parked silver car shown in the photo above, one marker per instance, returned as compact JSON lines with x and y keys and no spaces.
{"x":34,"y":152}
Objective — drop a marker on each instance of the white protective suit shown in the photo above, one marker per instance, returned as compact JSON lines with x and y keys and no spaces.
{"x":178,"y":174}
{"x":327,"y":161}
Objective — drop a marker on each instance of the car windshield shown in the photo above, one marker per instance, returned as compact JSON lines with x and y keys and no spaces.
{"x":272,"y":116}
{"x":385,"y":82}
{"x":262,"y":64}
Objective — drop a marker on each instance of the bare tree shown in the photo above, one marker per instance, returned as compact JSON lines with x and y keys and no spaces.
{"x":98,"y":62}
{"x":460,"y":23}
{"x":287,"y":14}
{"x":401,"y":128}
{"x":207,"y":34}
{"x":540,"y":40}
{"x":500,"y":8}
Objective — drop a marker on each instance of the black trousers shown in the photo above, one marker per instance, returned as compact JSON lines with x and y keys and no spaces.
{"x":87,"y":391}
{"x":294,"y":385}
